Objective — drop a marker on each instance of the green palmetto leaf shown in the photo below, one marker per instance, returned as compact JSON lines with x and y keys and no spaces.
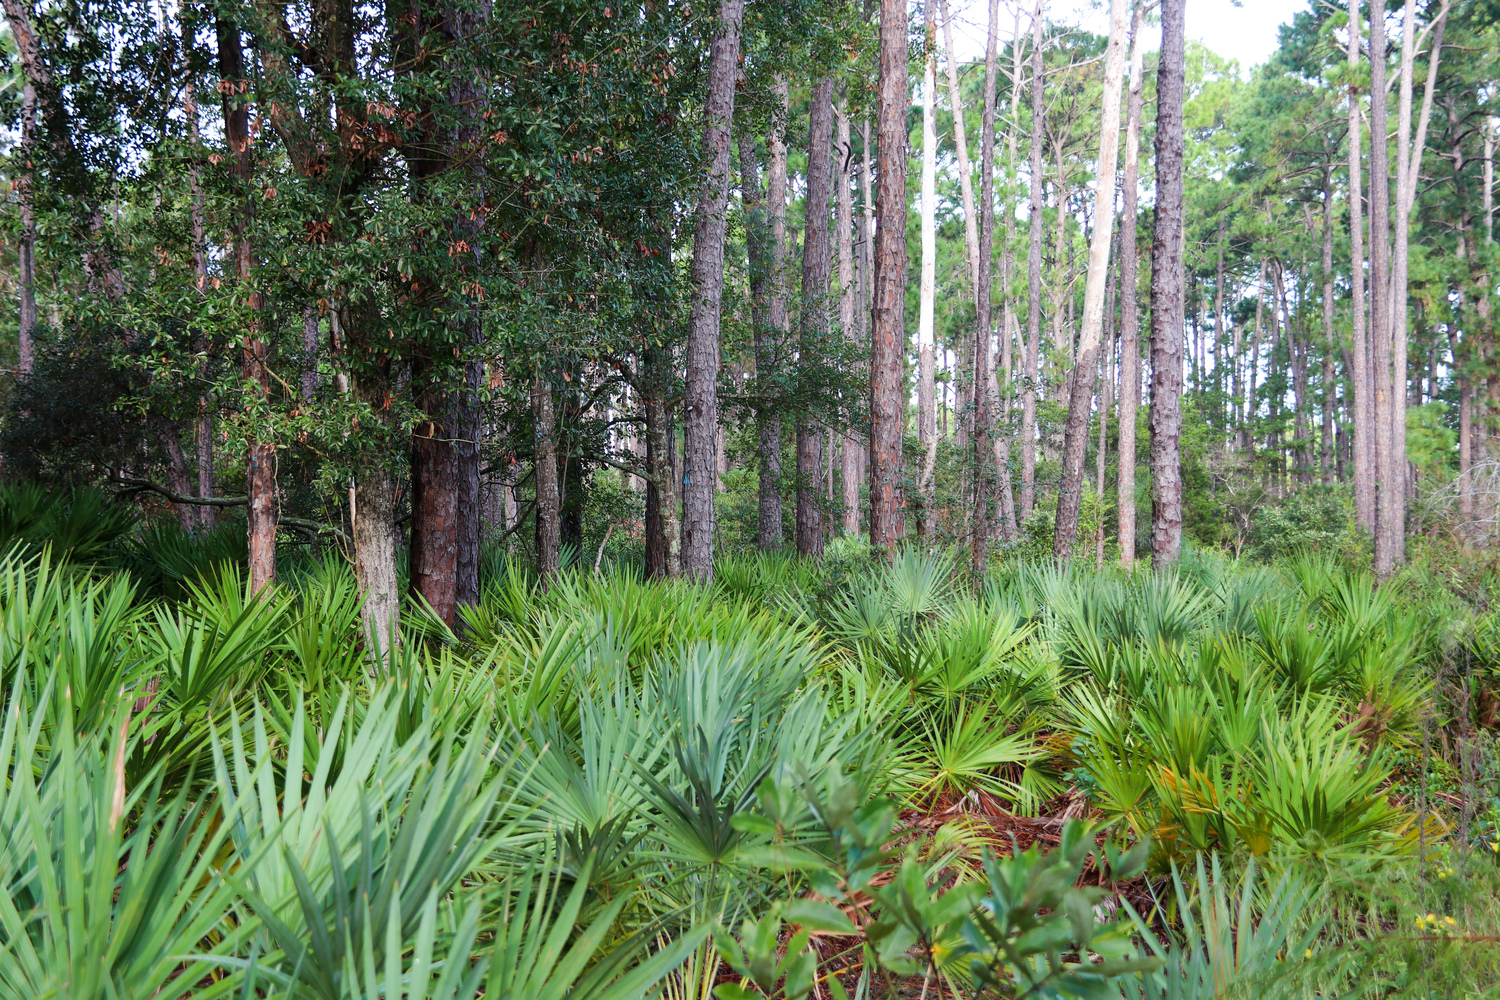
{"x":106,"y":893}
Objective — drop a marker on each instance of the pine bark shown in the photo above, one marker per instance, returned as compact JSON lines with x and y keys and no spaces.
{"x":1130,"y":351}
{"x":816,"y":259}
{"x":548,"y":497}
{"x":701,"y":398}
{"x":1033,"y":274}
{"x":1362,"y":376}
{"x":888,"y":317}
{"x":1388,"y":493}
{"x":1330,"y":336}
{"x":848,"y":293}
{"x":1085,"y":372}
{"x":1167,"y":303}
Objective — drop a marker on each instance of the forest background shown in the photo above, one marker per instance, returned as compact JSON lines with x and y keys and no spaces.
{"x":618,"y":282}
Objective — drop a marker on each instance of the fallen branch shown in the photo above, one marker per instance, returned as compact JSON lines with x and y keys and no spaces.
{"x":313,"y":528}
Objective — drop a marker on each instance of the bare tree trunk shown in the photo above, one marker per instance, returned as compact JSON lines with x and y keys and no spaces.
{"x":983,"y":337}
{"x":1075,"y":439}
{"x":1330,"y":337}
{"x":1130,"y":351}
{"x":1389,"y":495}
{"x":663,"y":525}
{"x":1167,"y":296}
{"x":204,"y":432}
{"x":260,"y":467}
{"x":548,"y":498}
{"x":1408,"y":168}
{"x":888,"y":319}
{"x":1361,"y":375}
{"x":766,"y":237}
{"x":1033,"y":274}
{"x":433,"y":553}
{"x":848,"y":291}
{"x":926,"y":322}
{"x":701,"y":402}
{"x":177,"y":471}
{"x":815,"y":319}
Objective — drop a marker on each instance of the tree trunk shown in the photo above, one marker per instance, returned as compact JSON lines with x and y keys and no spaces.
{"x":926,"y":306}
{"x":815,"y":319}
{"x":260,"y":466}
{"x":766,"y":238}
{"x":983,"y":334}
{"x":433,"y":553}
{"x":1033,"y":275}
{"x":1408,"y":169}
{"x":1166,"y":296}
{"x":701,"y":401}
{"x":1075,"y":438}
{"x":374,"y":531}
{"x":1130,"y":351}
{"x":1361,"y":374}
{"x":548,"y":497}
{"x":888,"y":318}
{"x":177,"y":471}
{"x":663,"y":524}
{"x":1330,"y":337}
{"x":1380,"y":297}
{"x":848,"y":292}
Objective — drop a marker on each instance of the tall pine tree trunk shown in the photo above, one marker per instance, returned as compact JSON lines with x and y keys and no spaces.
{"x":1361,"y":375}
{"x":1167,"y":304}
{"x":888,"y":317}
{"x":701,"y":399}
{"x":1130,"y":351}
{"x":1075,"y":437}
{"x":548,"y":496}
{"x":1330,"y":336}
{"x":815,"y":325}
{"x":983,"y":336}
{"x":848,"y":292}
{"x":1033,"y":275}
{"x":1391,"y":491}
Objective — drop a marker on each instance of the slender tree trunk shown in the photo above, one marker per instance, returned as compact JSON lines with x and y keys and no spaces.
{"x":548,"y":496}
{"x":888,"y":320}
{"x":926,"y":322}
{"x":260,"y":467}
{"x":701,"y":402}
{"x":433,"y":555}
{"x":1130,"y":351}
{"x":1361,"y":375}
{"x":766,"y":237}
{"x":1388,"y":494}
{"x":1167,"y":295}
{"x":1330,"y":336}
{"x":1408,"y":169}
{"x":848,"y":292}
{"x":1075,"y":438}
{"x":983,"y":337}
{"x":1033,"y":274}
{"x":815,"y":320}
{"x":204,"y":431}
{"x":663,"y":525}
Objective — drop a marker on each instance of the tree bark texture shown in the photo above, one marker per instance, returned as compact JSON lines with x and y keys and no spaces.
{"x":816,"y":267}
{"x":983,"y":337}
{"x":888,"y":318}
{"x":701,"y":401}
{"x":1167,"y":303}
{"x":848,"y":293}
{"x":548,"y":496}
{"x":1130,"y":351}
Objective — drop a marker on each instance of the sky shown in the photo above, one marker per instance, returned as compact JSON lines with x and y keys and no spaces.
{"x":1245,"y":33}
